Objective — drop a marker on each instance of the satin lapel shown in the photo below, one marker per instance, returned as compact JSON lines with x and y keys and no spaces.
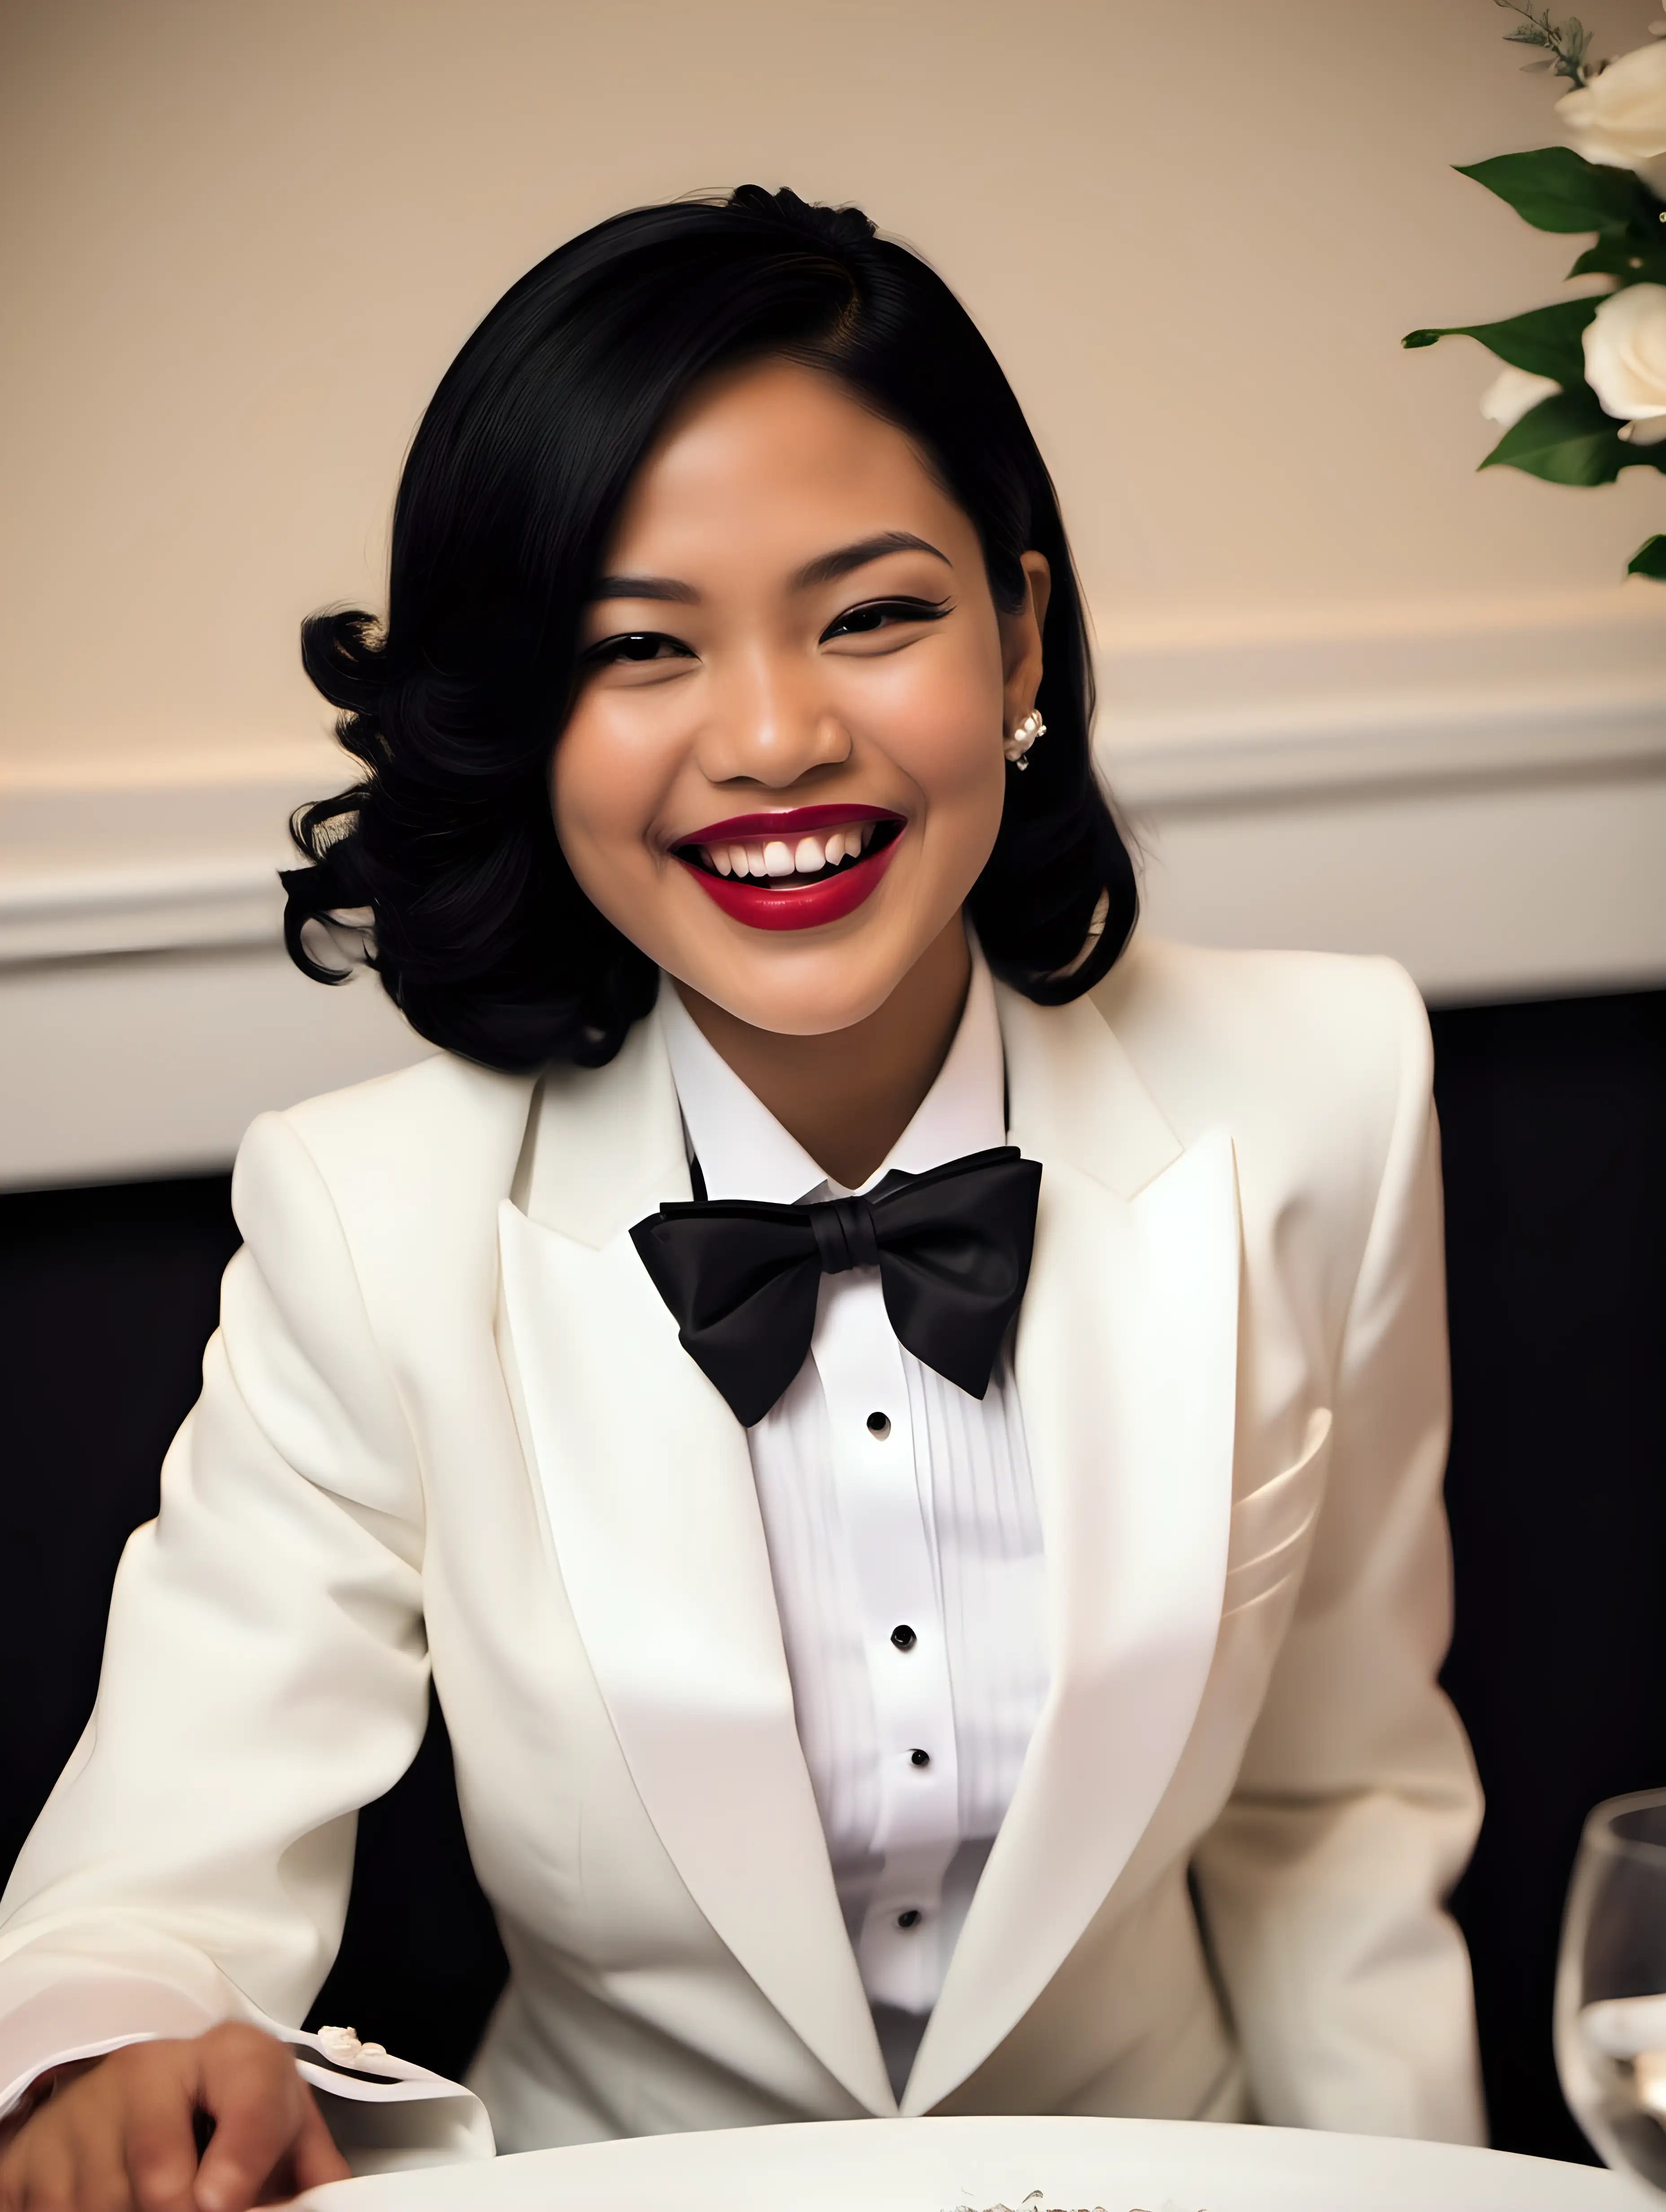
{"x":647,"y":1485}
{"x":1126,"y":1365}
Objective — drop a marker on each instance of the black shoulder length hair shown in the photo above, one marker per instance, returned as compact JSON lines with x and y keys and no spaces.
{"x":517,"y":473}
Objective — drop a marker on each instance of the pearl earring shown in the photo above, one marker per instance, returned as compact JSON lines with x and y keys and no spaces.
{"x":1018,"y":745}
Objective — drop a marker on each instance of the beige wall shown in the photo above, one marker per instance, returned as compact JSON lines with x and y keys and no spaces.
{"x":1357,"y":697}
{"x":243,"y":237}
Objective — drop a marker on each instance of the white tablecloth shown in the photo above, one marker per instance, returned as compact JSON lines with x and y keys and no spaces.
{"x":936,"y":2165}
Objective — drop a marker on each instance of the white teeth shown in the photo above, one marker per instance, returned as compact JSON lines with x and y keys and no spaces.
{"x":773,"y":857}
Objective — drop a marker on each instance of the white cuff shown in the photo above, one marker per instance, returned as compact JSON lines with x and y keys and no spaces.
{"x":84,"y":2017}
{"x":384,"y":2112}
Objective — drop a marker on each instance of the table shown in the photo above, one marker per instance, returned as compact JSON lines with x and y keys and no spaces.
{"x":939,"y":2165}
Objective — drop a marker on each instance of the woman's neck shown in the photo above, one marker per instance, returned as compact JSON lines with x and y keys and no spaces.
{"x":847,"y":1097}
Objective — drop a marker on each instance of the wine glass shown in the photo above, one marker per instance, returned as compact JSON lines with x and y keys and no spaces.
{"x":1610,"y":2023}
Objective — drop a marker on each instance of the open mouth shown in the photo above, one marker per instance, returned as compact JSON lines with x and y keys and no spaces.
{"x":787,"y":863}
{"x":795,"y":869}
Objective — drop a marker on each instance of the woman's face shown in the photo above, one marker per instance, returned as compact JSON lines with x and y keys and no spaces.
{"x":782,"y":772}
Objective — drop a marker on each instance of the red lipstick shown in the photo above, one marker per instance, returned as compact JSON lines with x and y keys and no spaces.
{"x":769,"y":903}
{"x":787,"y":822}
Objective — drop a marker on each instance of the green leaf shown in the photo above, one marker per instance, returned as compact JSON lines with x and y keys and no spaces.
{"x":1556,"y":189}
{"x":1546,"y":340}
{"x":1566,"y":439}
{"x":1650,"y":558}
{"x":1634,"y":259}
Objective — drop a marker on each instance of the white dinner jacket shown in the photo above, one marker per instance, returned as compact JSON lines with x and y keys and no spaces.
{"x":447,"y":1422}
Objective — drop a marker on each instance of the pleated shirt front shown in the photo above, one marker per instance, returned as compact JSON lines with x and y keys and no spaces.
{"x":905,"y":1545}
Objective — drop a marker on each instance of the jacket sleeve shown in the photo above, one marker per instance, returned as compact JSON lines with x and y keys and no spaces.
{"x":1323,"y":1882}
{"x":265,"y":1674}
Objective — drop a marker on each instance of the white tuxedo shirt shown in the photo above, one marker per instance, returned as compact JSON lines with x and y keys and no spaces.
{"x":446,"y":1426}
{"x":905,"y":1545}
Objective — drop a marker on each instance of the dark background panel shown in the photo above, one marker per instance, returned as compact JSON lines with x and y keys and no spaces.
{"x":107,"y":1296}
{"x":1553,"y":1115}
{"x":1553,"y":1130}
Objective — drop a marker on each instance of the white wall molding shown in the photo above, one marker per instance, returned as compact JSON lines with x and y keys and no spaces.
{"x":1563,"y":691}
{"x":1485,"y":801}
{"x":111,"y":865}
{"x":142,"y":907}
{"x":1431,"y":743}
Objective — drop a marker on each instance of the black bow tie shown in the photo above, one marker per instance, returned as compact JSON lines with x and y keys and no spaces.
{"x":952,"y":1248}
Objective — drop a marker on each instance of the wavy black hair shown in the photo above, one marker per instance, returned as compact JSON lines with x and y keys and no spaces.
{"x":475,"y":924}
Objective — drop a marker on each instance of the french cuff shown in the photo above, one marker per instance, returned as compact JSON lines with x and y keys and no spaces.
{"x":385,"y":2113}
{"x":83,"y":2018}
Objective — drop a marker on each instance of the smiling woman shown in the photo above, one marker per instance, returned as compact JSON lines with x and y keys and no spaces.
{"x":785,"y":369}
{"x":786,"y":798}
{"x":903,"y":1425}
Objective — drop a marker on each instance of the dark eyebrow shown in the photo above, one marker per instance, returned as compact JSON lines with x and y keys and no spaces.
{"x":828,"y":567}
{"x":825,"y":568}
{"x":643,"y":588}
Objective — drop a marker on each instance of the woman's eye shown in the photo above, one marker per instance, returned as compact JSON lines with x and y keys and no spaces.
{"x":884,"y":614}
{"x":638,"y":645}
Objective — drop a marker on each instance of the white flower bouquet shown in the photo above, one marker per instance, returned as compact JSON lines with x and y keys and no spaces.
{"x":1582,"y":393}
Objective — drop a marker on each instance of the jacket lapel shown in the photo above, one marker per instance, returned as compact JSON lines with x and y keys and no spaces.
{"x":648,"y":1485}
{"x":1126,"y":1365}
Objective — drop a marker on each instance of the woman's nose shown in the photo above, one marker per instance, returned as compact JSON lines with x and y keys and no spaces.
{"x":771,"y":725}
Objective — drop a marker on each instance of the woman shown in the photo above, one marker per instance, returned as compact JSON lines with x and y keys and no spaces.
{"x":966,"y":1646}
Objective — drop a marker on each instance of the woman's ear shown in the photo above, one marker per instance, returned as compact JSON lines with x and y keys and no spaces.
{"x":1021,"y":640}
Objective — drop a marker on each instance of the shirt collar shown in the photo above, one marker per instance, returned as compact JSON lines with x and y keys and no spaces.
{"x":744,"y":1152}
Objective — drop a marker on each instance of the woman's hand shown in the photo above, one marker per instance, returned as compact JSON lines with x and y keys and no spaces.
{"x":122,"y":2136}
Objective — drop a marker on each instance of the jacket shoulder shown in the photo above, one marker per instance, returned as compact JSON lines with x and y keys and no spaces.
{"x":427,"y":1150}
{"x":1313,"y":1059}
{"x":1288,"y":1001}
{"x":420,"y":1109}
